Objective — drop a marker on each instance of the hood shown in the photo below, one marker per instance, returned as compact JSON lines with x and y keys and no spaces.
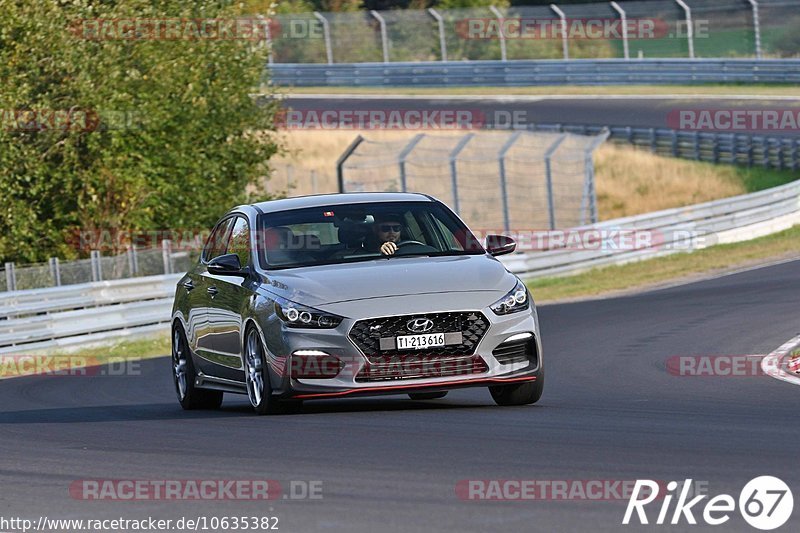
{"x":398,"y":276}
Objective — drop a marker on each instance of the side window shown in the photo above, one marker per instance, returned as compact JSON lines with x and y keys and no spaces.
{"x":218,"y":241}
{"x":450,"y":240}
{"x":240,"y":241}
{"x":413,"y":228}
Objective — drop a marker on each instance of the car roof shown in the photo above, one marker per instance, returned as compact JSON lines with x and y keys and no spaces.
{"x":320,"y":200}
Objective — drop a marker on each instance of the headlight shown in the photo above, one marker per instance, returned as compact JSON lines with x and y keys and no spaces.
{"x":515,"y":301}
{"x":295,"y":315}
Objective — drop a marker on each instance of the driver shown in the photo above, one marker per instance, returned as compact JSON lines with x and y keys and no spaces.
{"x":385,"y":233}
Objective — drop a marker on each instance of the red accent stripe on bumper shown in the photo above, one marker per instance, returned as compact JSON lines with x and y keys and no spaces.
{"x":476,"y":382}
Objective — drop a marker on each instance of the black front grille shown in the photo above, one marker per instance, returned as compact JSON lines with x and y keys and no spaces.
{"x":512,"y":352}
{"x":367,"y":334}
{"x":400,"y":367}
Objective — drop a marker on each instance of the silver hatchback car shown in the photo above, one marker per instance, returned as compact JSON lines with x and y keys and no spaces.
{"x":341,"y":295}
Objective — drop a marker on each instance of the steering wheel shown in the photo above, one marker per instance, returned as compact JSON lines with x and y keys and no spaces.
{"x":404,"y":243}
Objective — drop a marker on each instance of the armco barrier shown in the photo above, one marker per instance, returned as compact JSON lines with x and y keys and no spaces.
{"x":537,"y":72}
{"x":79,"y":314}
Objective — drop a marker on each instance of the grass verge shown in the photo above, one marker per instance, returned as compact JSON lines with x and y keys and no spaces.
{"x":604,"y":90}
{"x":654,"y":272}
{"x":154,"y":346}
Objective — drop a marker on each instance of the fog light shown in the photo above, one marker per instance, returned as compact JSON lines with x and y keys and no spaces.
{"x":315,"y":364}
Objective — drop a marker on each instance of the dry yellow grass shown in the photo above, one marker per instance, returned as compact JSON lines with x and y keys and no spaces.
{"x":628,"y":181}
{"x":632,"y":181}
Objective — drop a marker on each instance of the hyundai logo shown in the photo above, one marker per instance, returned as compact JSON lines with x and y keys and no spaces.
{"x":419,"y":325}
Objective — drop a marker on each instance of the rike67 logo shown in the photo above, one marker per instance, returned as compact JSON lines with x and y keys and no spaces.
{"x":765,"y":503}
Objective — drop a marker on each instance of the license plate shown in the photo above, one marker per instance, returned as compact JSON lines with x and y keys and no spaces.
{"x":418,"y":342}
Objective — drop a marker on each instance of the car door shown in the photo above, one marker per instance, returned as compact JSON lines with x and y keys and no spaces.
{"x":230,"y":298}
{"x":202,"y":328}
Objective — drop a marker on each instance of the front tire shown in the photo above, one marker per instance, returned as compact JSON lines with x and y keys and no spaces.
{"x":183,"y":374}
{"x":522,"y":394}
{"x":257,"y":380}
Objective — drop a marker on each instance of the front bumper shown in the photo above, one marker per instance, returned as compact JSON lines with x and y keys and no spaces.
{"x":350,"y":382}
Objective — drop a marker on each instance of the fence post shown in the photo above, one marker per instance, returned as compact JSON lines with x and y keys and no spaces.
{"x":697,"y":145}
{"x":756,"y":27}
{"x":55,"y":271}
{"x":326,"y":33}
{"x":564,"y":40}
{"x":384,"y":37}
{"x":267,"y":36}
{"x":734,"y":149}
{"x":133,"y":260}
{"x":750,"y":151}
{"x":401,"y":159}
{"x":97,"y":269}
{"x":501,"y":157}
{"x":589,"y":191}
{"x":454,"y":170}
{"x":674,"y":143}
{"x":624,"y":19}
{"x":549,"y":178}
{"x":11,"y":277}
{"x":502,"y":36}
{"x":653,"y":141}
{"x":715,"y":148}
{"x":342,"y":158}
{"x":689,"y":28}
{"x":166,"y":253}
{"x":440,"y":21}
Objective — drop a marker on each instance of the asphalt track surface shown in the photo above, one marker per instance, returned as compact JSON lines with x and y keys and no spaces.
{"x":610,"y":411}
{"x":497,"y":112}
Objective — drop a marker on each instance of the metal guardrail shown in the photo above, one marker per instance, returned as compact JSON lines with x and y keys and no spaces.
{"x":76,"y":314}
{"x":537,"y":72}
{"x":734,"y":148}
{"x":61,"y":316}
{"x":721,"y":221}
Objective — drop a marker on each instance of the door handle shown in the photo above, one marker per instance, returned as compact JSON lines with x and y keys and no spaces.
{"x":212,"y":291}
{"x":188,"y":285}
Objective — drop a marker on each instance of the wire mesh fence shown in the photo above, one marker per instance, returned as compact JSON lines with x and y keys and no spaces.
{"x":637,"y":28}
{"x":131,"y":263}
{"x":504,"y":180}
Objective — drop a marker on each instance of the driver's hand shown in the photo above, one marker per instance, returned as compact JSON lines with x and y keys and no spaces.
{"x":388,"y":248}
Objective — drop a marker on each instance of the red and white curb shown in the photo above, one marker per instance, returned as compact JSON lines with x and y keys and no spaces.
{"x":780,"y":364}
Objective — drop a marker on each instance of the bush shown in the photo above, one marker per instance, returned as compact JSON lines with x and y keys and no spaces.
{"x":179,"y":137}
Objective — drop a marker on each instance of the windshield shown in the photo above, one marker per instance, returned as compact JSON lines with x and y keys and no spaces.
{"x":355,"y":232}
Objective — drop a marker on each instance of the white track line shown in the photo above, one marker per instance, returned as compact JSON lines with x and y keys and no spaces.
{"x":774,"y":365}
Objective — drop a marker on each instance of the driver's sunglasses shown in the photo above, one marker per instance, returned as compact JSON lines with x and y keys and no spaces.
{"x":386,"y":228}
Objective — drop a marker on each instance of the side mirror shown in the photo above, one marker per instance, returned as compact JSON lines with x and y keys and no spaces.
{"x":500,"y":244}
{"x":227,"y":265}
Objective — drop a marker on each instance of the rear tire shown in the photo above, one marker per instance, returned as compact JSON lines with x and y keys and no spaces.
{"x":522,"y":394}
{"x":427,"y":395}
{"x":183,"y":375}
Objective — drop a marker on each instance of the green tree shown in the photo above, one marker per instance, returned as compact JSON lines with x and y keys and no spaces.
{"x":179,"y":139}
